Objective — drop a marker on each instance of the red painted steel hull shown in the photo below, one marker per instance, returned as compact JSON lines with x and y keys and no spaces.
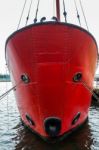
{"x":51,"y":54}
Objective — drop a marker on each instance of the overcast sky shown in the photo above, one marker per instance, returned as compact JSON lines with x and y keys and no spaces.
{"x":10,"y":11}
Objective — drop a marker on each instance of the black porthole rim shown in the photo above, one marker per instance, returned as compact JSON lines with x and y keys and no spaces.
{"x":76,"y":118}
{"x":25,"y":78}
{"x":30,"y":121}
{"x":77,"y":77}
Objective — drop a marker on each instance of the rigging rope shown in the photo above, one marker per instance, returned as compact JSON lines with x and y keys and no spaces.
{"x":21,"y":14}
{"x":28,"y":13}
{"x":35,"y":19}
{"x":78,"y":16}
{"x":54,"y":8}
{"x":64,"y":13}
{"x":84,"y":15}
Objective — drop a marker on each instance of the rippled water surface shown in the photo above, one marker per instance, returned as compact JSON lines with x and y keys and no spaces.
{"x":13,"y":136}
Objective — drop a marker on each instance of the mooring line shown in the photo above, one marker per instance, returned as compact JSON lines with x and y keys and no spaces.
{"x":11,"y":89}
{"x":90,"y":90}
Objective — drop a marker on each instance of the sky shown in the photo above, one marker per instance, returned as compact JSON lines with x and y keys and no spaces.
{"x":10,"y":11}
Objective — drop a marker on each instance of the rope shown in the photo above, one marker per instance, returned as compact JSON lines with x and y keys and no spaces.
{"x":84,"y":15}
{"x":21,"y":14}
{"x":7,"y":92}
{"x":28,"y":13}
{"x":35,"y":19}
{"x":64,"y":13}
{"x":78,"y":16}
{"x":90,"y":90}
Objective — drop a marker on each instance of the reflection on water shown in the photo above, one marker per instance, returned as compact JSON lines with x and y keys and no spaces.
{"x":81,"y":140}
{"x":13,"y":136}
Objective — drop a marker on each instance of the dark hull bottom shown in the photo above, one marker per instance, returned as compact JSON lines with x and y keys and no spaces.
{"x":59,"y":138}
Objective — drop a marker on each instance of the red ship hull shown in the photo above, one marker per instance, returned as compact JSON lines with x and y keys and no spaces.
{"x":50,"y":55}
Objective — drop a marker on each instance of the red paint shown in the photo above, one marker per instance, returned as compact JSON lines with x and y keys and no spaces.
{"x":51,"y":54}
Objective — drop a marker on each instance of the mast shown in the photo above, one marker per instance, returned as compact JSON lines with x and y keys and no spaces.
{"x":58,"y":9}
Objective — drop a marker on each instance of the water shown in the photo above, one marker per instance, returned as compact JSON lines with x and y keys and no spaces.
{"x":13,"y":136}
